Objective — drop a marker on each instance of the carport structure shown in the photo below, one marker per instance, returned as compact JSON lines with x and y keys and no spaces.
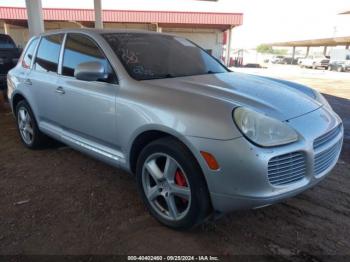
{"x":210,"y":30}
{"x":325,"y":42}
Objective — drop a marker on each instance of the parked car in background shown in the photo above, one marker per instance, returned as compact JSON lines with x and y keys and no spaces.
{"x":9,"y":54}
{"x":201,"y":140}
{"x":314,"y":61}
{"x":289,"y":61}
{"x":277,"y":59}
{"x":339,"y":60}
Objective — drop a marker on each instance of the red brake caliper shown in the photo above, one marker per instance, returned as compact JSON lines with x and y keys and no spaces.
{"x":181,"y":181}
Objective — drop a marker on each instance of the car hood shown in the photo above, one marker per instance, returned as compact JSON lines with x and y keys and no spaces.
{"x":276,"y":98}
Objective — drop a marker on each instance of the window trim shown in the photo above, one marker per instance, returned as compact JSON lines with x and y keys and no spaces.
{"x":37,"y":49}
{"x":61,"y":60}
{"x":25,"y":52}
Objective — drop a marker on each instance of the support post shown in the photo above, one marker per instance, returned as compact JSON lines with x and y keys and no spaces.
{"x":325,"y":50}
{"x":307,"y":50}
{"x":6,"y":28}
{"x":157,"y":27}
{"x":98,"y":14}
{"x":35,"y":17}
{"x":293,"y":55}
{"x":228,"y":50}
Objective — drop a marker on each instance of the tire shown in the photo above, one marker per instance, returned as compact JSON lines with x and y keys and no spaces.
{"x":190,"y":206}
{"x":26,"y":124}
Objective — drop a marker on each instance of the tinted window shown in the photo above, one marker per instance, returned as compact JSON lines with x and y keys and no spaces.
{"x":80,"y":49}
{"x":152,"y":56}
{"x":28,"y":56}
{"x":48,"y":53}
{"x":6,"y":42}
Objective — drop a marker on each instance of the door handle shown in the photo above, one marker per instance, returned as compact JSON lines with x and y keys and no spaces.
{"x":27,"y":81}
{"x":60,"y":90}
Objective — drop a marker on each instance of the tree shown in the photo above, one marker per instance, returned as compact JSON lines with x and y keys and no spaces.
{"x":280,"y":51}
{"x":265,"y":49}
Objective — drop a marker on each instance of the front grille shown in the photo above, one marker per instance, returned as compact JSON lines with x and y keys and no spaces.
{"x":326,"y":138}
{"x":286,"y":169}
{"x":326,"y":158}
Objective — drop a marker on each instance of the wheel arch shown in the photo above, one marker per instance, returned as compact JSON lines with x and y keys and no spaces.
{"x":147,"y":135}
{"x":16,"y":98}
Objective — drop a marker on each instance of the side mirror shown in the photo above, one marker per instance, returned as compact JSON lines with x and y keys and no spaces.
{"x":90,"y":71}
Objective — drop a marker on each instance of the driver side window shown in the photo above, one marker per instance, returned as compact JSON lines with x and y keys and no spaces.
{"x":80,"y":49}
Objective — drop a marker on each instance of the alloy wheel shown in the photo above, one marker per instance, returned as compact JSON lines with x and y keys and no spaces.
{"x":25,"y":125}
{"x":166,"y":186}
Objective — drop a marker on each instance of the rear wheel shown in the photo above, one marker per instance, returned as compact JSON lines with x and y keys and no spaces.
{"x":28,"y":129}
{"x":172,"y":185}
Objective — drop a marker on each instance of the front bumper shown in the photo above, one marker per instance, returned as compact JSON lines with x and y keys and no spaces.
{"x":243,"y":178}
{"x":322,"y":64}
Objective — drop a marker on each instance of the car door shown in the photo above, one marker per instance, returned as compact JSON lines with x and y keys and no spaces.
{"x":43,"y":81}
{"x":88,"y":110}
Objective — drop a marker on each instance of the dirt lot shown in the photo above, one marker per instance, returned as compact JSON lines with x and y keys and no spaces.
{"x":58,"y":201}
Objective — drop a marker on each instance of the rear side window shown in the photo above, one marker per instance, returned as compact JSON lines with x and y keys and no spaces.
{"x":80,"y":49}
{"x":48,"y":53}
{"x":28,"y":56}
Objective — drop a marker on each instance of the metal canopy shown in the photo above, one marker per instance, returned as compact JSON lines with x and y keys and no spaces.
{"x":345,"y":40}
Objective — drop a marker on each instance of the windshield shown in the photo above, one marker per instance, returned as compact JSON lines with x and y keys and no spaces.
{"x":6,"y":42}
{"x":154,"y":56}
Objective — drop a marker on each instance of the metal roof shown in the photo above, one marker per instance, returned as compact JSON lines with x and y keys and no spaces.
{"x":334,"y":41}
{"x":129,"y":16}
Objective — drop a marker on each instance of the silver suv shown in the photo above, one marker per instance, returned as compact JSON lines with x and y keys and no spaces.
{"x":201,"y":139}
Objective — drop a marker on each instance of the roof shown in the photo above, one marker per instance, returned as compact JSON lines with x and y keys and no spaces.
{"x":334,"y":41}
{"x":129,"y":16}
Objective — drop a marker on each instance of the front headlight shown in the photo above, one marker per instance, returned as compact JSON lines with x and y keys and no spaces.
{"x":263,"y":130}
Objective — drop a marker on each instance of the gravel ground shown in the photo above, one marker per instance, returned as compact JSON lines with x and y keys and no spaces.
{"x":58,"y":201}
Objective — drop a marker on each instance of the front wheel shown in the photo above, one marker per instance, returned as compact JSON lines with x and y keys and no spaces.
{"x":172,"y":185}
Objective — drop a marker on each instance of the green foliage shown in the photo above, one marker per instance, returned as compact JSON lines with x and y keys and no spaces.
{"x":280,"y":51}
{"x":267,"y":49}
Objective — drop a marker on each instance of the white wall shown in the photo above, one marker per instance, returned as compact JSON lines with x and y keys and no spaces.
{"x":207,"y":39}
